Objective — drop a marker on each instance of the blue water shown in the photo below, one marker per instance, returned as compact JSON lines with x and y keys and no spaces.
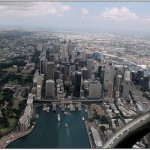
{"x":49,"y":133}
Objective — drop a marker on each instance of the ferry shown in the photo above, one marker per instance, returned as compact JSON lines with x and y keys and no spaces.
{"x":58,"y":117}
{"x":83,"y":118}
{"x":66,"y":125}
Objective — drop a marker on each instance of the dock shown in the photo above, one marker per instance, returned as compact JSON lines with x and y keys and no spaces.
{"x":62,"y":107}
{"x":54,"y":107}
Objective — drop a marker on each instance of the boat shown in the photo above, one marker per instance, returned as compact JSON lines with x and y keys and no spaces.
{"x":36,"y":116}
{"x":68,"y":107}
{"x":66,"y":113}
{"x":66,"y":125}
{"x":47,"y":109}
{"x":83,"y":118}
{"x":58,"y":117}
{"x":85,"y":110}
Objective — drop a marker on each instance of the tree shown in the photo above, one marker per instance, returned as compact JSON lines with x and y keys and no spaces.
{"x":104,"y":120}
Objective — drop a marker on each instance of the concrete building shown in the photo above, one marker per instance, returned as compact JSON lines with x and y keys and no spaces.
{"x":96,"y":138}
{"x":25,"y":120}
{"x":118,"y":84}
{"x":109,"y":76}
{"x":38,"y":92}
{"x":49,"y":89}
{"x":84,"y":73}
{"x":90,"y":67}
{"x":126,"y":75}
{"x":95,"y":89}
{"x":126,"y":88}
{"x":43,"y":63}
{"x":50,"y":71}
{"x":110,"y":89}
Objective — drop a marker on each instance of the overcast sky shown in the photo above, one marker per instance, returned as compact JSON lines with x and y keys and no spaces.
{"x":96,"y":16}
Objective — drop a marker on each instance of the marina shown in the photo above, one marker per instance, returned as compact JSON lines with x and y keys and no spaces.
{"x":66,"y":136}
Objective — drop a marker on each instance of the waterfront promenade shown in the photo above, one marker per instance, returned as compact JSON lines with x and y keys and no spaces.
{"x":7,"y":139}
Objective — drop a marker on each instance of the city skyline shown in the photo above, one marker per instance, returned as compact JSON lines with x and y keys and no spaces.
{"x":117,"y":17}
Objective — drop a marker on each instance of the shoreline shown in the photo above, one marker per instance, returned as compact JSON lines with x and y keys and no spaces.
{"x":6,"y":140}
{"x":90,"y":140}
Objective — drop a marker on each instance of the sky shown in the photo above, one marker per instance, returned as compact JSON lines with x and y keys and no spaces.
{"x":121,"y":17}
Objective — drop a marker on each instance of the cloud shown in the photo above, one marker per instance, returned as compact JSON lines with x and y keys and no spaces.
{"x":118,"y":14}
{"x":84,"y":11}
{"x":34,"y":8}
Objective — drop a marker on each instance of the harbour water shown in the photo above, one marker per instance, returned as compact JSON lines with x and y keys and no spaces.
{"x":49,"y":133}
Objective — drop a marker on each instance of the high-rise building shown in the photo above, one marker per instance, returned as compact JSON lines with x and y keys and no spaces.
{"x":127,"y":75}
{"x":38,"y":92}
{"x":77,"y":84}
{"x":110,"y":89}
{"x":109,"y":76}
{"x":118,"y":82}
{"x":90,"y":67}
{"x":49,"y":89}
{"x":95,"y":89}
{"x":84,"y":73}
{"x":146,"y":83}
{"x":50,"y":70}
{"x":126,"y":87}
{"x":43,"y":65}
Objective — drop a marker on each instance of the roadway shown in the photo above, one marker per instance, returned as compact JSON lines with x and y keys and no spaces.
{"x":87,"y":100}
{"x":121,"y":138}
{"x":138,"y":95}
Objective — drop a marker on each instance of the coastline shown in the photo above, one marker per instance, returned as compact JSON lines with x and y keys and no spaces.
{"x":7,"y":139}
{"x":90,"y":140}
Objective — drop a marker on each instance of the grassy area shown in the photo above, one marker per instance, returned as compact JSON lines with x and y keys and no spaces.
{"x":12,"y":123}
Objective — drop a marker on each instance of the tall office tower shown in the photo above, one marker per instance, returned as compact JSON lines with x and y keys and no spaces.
{"x":65,"y":70}
{"x":126,"y":75}
{"x":43,"y":65}
{"x":146,"y":83}
{"x":109,"y":76}
{"x":64,"y":52}
{"x":90,"y":67}
{"x":126,"y":87}
{"x":77,"y":84}
{"x":49,"y":89}
{"x":84,"y":73}
{"x":71,"y":69}
{"x":118,"y":82}
{"x":50,"y":70}
{"x":95,"y":89}
{"x":57,"y":75}
{"x":38,"y":92}
{"x":110,"y":89}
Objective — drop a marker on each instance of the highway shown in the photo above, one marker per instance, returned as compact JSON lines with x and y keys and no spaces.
{"x":139,"y":98}
{"x":126,"y":130}
{"x":87,"y":100}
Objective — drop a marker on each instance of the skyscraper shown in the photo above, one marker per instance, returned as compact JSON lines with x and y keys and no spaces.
{"x":110,"y":89}
{"x":95,"y":89}
{"x":77,"y":84}
{"x":43,"y":65}
{"x":50,"y":70}
{"x":84,"y":73}
{"x":49,"y":89}
{"x":126,"y":88}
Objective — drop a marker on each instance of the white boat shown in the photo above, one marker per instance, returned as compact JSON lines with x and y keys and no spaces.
{"x":66,"y":125}
{"x":58,"y":117}
{"x":68,"y":106}
{"x":82,"y":118}
{"x":85,"y":110}
{"x":66,"y":113}
{"x":36,"y":116}
{"x":47,"y":109}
